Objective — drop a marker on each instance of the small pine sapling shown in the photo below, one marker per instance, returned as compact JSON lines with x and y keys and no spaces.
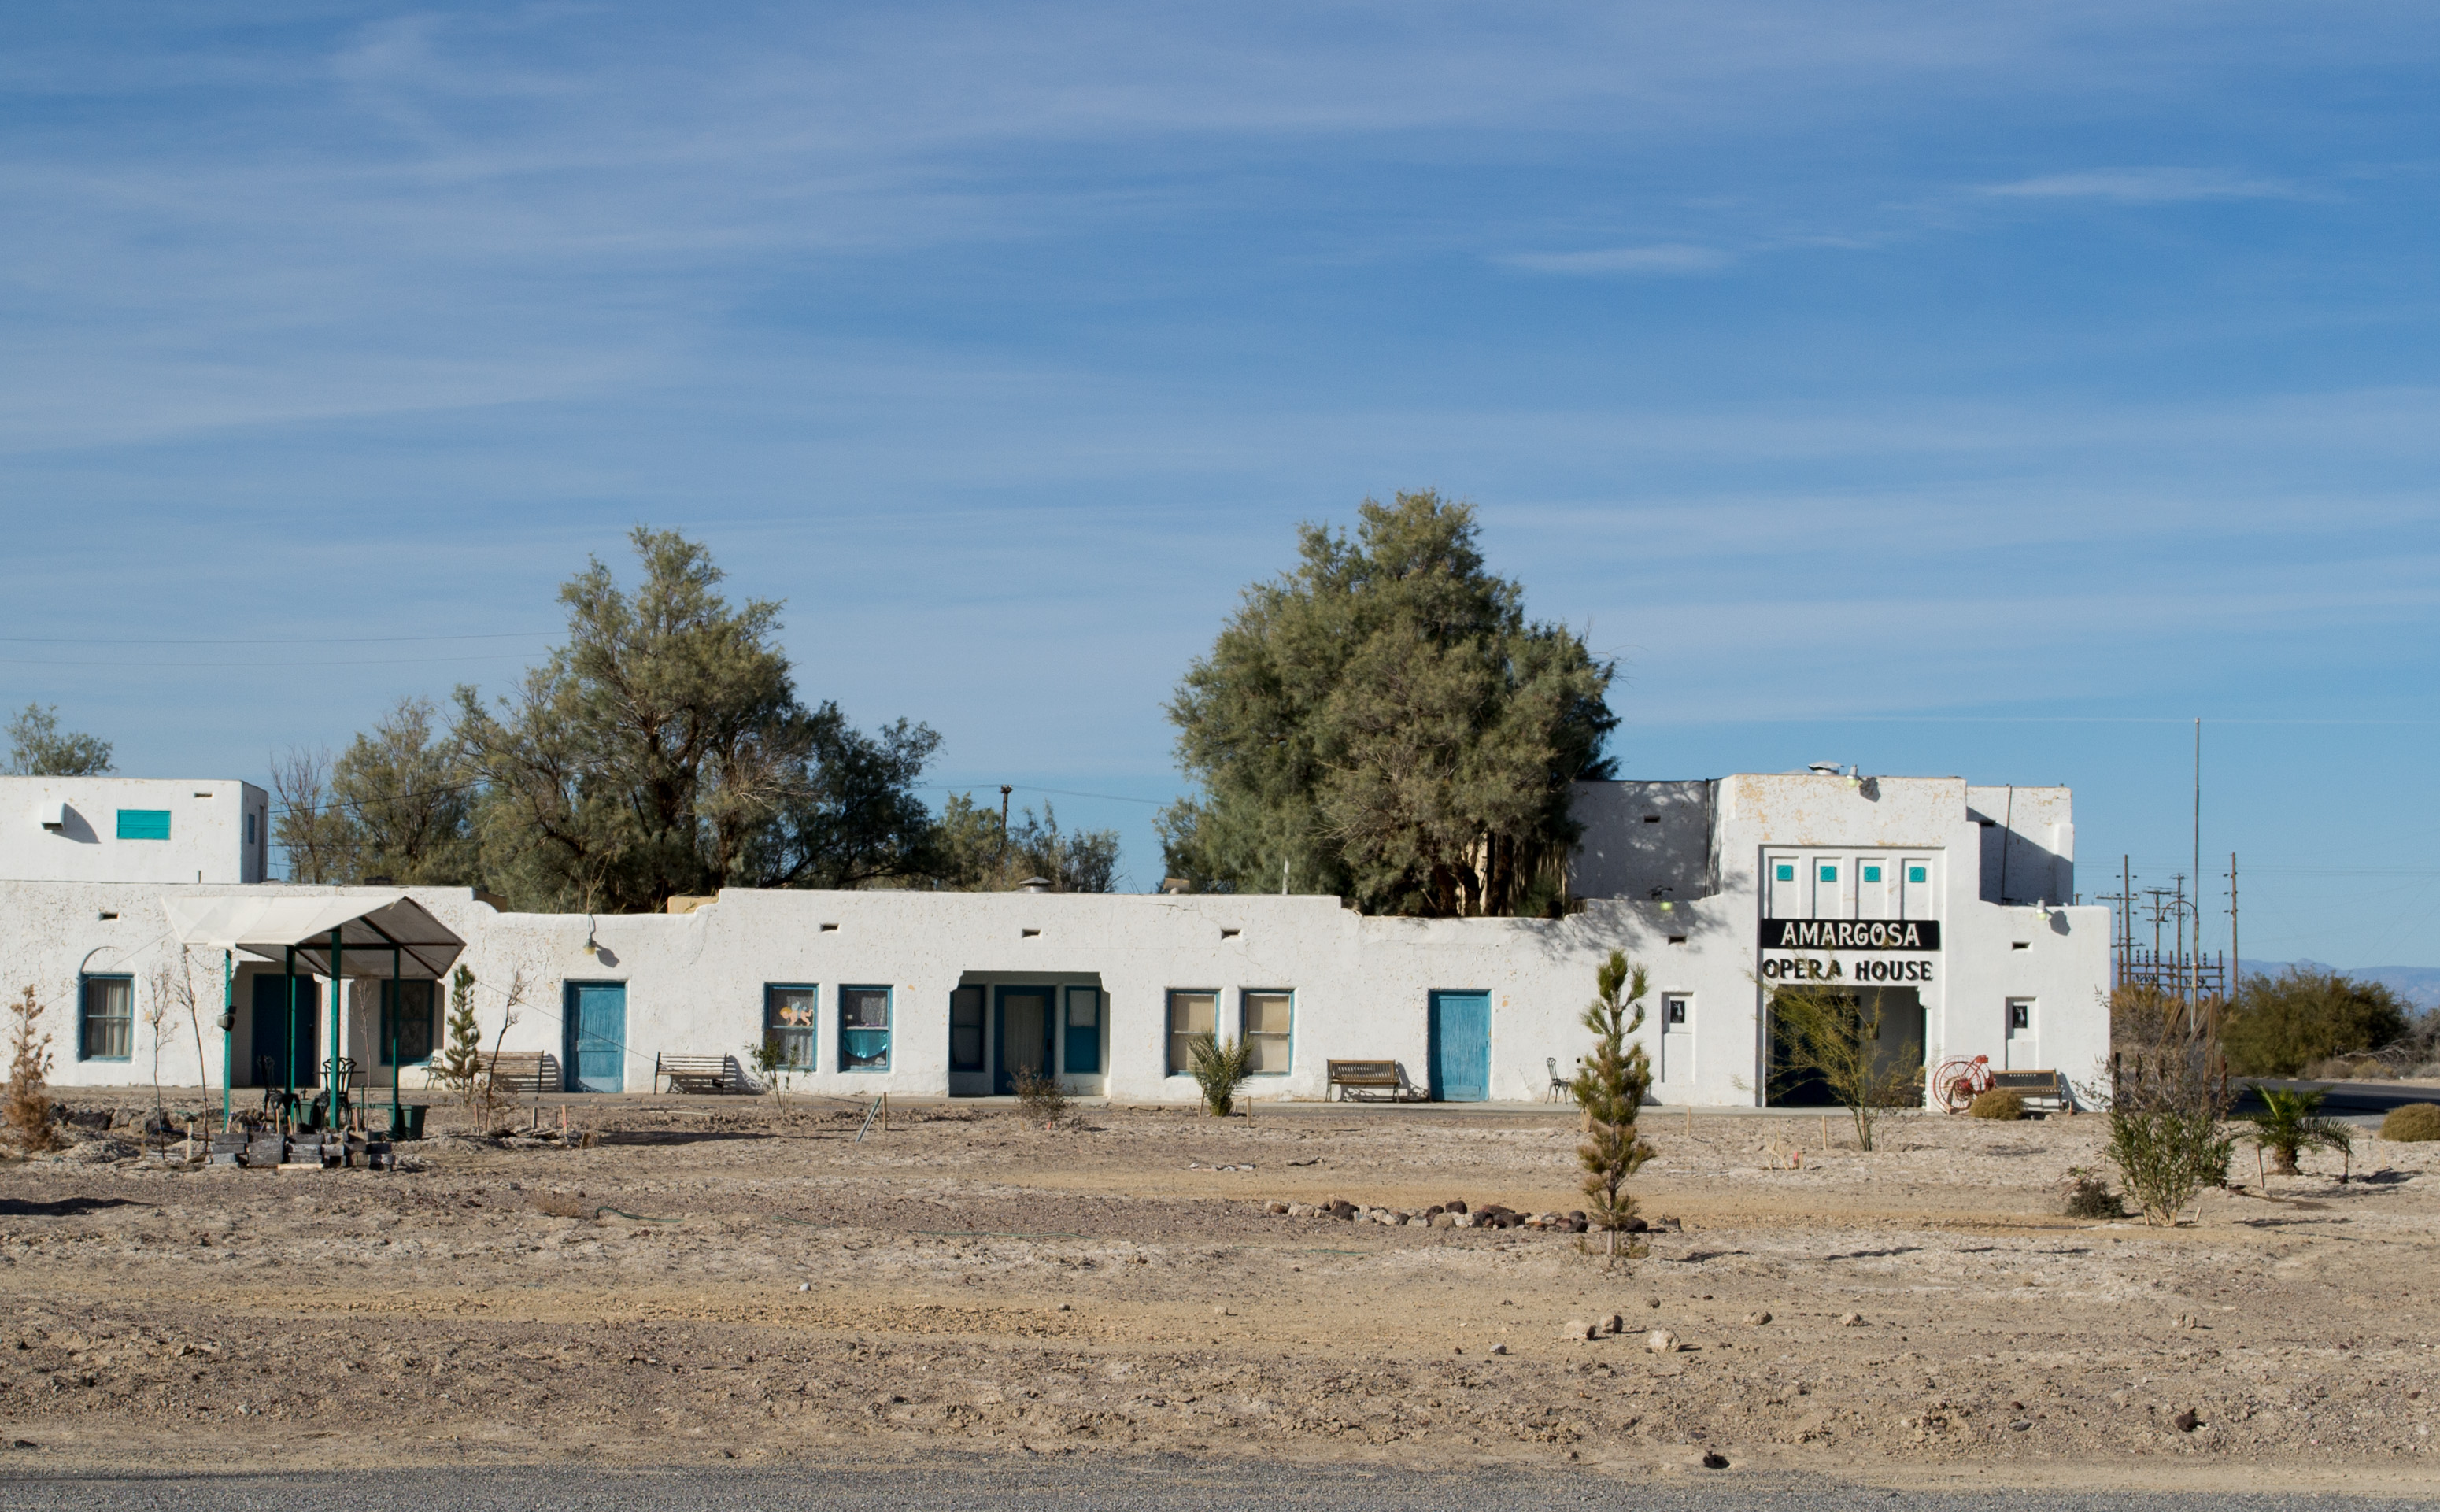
{"x":29,"y":1066}
{"x":461,"y":1060}
{"x":1611,"y":1088}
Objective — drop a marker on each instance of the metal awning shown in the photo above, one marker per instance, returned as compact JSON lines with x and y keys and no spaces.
{"x":370,"y":929}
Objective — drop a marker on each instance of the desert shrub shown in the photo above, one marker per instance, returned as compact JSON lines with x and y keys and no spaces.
{"x":28,"y":1105}
{"x":2283,"y":1024}
{"x":2166,"y":1105}
{"x":1039,"y":1097}
{"x":1219,"y":1071}
{"x":2088,"y":1196}
{"x":1999,"y":1104}
{"x":2412,"y":1124}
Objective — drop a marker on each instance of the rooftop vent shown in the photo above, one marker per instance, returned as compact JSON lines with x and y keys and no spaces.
{"x":1034,"y":884}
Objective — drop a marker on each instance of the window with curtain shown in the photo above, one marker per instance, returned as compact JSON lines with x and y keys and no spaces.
{"x":1267,"y":1018}
{"x":107,"y":1031}
{"x":412,"y":1008}
{"x":791,"y":1016}
{"x":1192,"y":1015}
{"x":863,"y":1029}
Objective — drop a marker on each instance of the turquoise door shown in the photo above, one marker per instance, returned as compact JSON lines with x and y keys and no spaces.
{"x":597,"y":1037}
{"x":1080,"y":1048}
{"x":1460,"y":1047}
{"x":271,"y":1032}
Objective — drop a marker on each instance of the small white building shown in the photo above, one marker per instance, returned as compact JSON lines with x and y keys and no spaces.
{"x":1951,"y":906}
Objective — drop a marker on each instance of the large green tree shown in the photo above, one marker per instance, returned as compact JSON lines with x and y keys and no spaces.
{"x":1384,"y":722}
{"x":662,"y":749}
{"x":2283,"y":1024}
{"x":972,"y":852}
{"x":37,"y":749}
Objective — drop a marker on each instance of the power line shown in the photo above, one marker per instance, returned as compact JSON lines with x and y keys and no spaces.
{"x":263,"y":640}
{"x":216,"y":666}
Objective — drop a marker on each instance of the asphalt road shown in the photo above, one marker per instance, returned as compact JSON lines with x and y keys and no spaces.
{"x":1176,"y":1486}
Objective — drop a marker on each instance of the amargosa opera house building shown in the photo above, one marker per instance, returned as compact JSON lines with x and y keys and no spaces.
{"x":1951,"y":908}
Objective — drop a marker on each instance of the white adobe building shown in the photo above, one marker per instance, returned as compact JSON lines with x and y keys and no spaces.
{"x":1953,"y":904}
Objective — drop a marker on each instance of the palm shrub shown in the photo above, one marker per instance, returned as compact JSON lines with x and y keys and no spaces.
{"x":2290,"y":1121}
{"x":1611,"y":1088}
{"x":1220,"y":1071}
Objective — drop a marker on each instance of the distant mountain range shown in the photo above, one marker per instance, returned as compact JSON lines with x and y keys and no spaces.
{"x":2420,"y":985}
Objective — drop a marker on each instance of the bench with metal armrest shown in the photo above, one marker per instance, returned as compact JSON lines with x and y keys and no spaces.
{"x":695,"y":1073}
{"x":1373,"y":1081}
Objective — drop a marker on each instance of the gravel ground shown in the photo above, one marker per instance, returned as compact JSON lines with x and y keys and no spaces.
{"x":716,"y":1284}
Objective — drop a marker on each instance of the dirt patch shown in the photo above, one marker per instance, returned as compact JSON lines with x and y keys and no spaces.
{"x":733,"y":1282}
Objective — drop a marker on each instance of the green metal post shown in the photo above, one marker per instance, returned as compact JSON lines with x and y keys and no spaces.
{"x":228,"y":1035}
{"x":338,"y":992}
{"x":397,"y":1006}
{"x":288,"y":1075}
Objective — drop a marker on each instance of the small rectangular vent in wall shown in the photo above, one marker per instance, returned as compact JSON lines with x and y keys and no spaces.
{"x":1651,"y":819}
{"x":1028,"y":934}
{"x":1988,"y":825}
{"x":2022,"y":945}
{"x":109,"y":916}
{"x":207,"y":795}
{"x":1231,"y":935}
{"x":1677,"y":939}
{"x":827,"y":929}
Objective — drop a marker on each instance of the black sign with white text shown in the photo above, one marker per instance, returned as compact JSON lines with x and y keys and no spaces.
{"x":1851,"y":934}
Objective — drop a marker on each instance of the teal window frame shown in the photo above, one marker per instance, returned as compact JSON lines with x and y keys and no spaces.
{"x":1918,"y":875}
{"x":1178,"y":1055}
{"x":1244,"y":994}
{"x":858,"y":1056}
{"x":143,"y":823}
{"x":1787,"y":873}
{"x":86,"y":1017}
{"x":431,"y":1016}
{"x":808,"y":1033}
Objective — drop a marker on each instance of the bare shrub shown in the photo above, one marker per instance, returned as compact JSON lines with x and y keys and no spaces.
{"x":1998,"y":1102}
{"x":29,"y":1066}
{"x":2088,"y":1196}
{"x":2412,"y":1123}
{"x":1838,"y":1037}
{"x":1041,"y":1098}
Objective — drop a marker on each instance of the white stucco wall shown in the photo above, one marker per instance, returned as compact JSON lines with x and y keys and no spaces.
{"x":65,"y":829}
{"x":694,"y":982}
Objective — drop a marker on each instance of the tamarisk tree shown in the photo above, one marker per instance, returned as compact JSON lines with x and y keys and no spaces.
{"x":1610,"y":1088}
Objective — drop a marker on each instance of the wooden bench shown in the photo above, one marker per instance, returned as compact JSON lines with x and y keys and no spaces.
{"x":696,"y":1074}
{"x":523,"y":1073}
{"x":1373,"y":1081}
{"x":2037,"y":1086}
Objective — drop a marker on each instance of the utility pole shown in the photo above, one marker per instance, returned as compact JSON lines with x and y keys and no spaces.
{"x":2235,"y":953}
{"x":2194,"y":976}
{"x":1004,"y":791}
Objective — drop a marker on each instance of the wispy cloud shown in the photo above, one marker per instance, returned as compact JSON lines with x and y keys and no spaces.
{"x":2144,"y":186}
{"x":1662,"y":258}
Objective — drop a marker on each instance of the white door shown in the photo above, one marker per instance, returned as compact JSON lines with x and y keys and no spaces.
{"x":2025,"y":1051}
{"x":1677,"y":1042}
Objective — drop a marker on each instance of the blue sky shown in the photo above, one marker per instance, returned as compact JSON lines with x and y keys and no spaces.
{"x":1937,"y":390}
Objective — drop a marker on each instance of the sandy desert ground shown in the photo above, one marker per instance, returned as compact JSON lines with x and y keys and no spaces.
{"x":740,"y":1285}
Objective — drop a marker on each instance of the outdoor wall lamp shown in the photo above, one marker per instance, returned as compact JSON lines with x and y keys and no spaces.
{"x":592,"y":947}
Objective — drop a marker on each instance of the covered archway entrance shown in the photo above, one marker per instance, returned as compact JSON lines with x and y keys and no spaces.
{"x":1041,"y":1022}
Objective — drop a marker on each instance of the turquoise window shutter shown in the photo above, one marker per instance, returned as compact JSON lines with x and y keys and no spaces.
{"x":143,"y":823}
